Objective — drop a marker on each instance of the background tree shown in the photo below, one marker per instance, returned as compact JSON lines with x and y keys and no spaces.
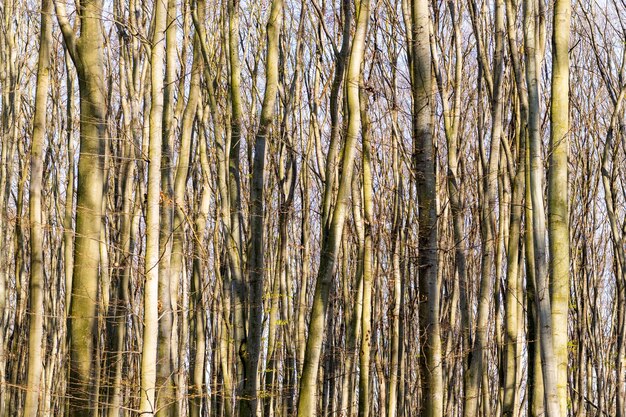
{"x":341,"y":219}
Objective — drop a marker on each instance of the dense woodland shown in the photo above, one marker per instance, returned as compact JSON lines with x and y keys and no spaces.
{"x":317,"y":208}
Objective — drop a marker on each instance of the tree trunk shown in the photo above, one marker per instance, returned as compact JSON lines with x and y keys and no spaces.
{"x":35,"y":358}
{"x":368,"y":219}
{"x":233,"y":235}
{"x":87,"y":53}
{"x":332,"y":237}
{"x":558,"y":195}
{"x":167,"y":205}
{"x":152,"y":310}
{"x":256,"y":264}
{"x":542,"y":296}
{"x":424,"y":165}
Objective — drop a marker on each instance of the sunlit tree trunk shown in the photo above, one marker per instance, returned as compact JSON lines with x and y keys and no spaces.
{"x":368,"y":220}
{"x":542,"y":295}
{"x":398,"y":282}
{"x":558,"y":195}
{"x":167,"y":205}
{"x":613,"y":139}
{"x":35,"y":358}
{"x":493,"y":77}
{"x":331,"y":238}
{"x":425,"y":176}
{"x":198,"y":315}
{"x":127,"y":240}
{"x":256,"y":259}
{"x":151,"y":288}
{"x":334,"y":147}
{"x":235,"y":248}
{"x":87,"y":53}
{"x":68,"y":220}
{"x":222,"y":162}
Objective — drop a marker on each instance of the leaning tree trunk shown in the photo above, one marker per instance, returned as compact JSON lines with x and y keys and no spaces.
{"x":331,"y":238}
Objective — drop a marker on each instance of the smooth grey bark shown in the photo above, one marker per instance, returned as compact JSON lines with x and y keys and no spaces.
{"x":198,"y":316}
{"x":398,"y":278}
{"x":542,"y":295}
{"x":425,"y":177}
{"x":167,"y":205}
{"x":334,"y":147}
{"x":493,"y":79}
{"x":235,"y":247}
{"x":221,"y":145}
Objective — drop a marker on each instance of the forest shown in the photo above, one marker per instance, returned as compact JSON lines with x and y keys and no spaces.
{"x":333,"y":208}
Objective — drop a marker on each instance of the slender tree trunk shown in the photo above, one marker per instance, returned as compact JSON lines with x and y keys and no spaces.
{"x":234,"y":238}
{"x":256,"y":265}
{"x":68,"y":235}
{"x":535,"y":378}
{"x":334,"y":146}
{"x":368,"y":219}
{"x":306,"y":231}
{"x":512,"y":300}
{"x":608,"y":175}
{"x":558,"y":195}
{"x":424,"y":165}
{"x":510,"y":407}
{"x":126,"y":241}
{"x":151,"y":289}
{"x":35,"y":358}
{"x":198,"y":316}
{"x":223,"y":276}
{"x":396,"y":250}
{"x":542,"y":296}
{"x":332,"y":237}
{"x":489,"y":238}
{"x":167,"y":205}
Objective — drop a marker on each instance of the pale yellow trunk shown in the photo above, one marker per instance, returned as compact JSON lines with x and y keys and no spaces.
{"x":558,"y":213}
{"x":35,"y":359}
{"x":307,"y":402}
{"x":151,"y":288}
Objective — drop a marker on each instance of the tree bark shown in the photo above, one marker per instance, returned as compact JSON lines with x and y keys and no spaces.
{"x":36,"y":330}
{"x":542,"y":296}
{"x":368,"y":220}
{"x":425,"y":177}
{"x":256,"y":261}
{"x":332,"y":237}
{"x":558,"y":195}
{"x":152,"y":310}
{"x":167,"y":205}
{"x":87,"y":53}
